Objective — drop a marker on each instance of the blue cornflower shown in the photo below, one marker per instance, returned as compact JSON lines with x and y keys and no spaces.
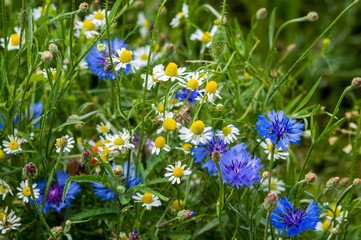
{"x":281,"y":130}
{"x":98,"y":62}
{"x":2,"y":122}
{"x":107,"y":193}
{"x":239,"y":168}
{"x":294,"y":220}
{"x":206,"y":150}
{"x":35,"y":112}
{"x":183,"y":93}
{"x":55,"y":193}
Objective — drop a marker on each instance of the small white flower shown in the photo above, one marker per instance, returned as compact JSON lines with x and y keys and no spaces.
{"x":267,"y":146}
{"x":196,"y":133}
{"x":119,"y":141}
{"x":13,"y":40}
{"x":228,"y":134}
{"x":87,"y":28}
{"x":176,"y":172}
{"x":69,"y":143}
{"x":160,"y":144}
{"x":169,"y":124}
{"x":125,"y":58}
{"x":277,"y":186}
{"x":98,"y":17}
{"x":144,"y":24}
{"x":39,"y":11}
{"x":211,"y":91}
{"x":176,"y":20}
{"x":25,"y":192}
{"x":204,"y":37}
{"x":171,"y":72}
{"x":148,"y":200}
{"x":192,"y":81}
{"x":8,"y":221}
{"x":141,"y":56}
{"x":152,"y":81}
{"x":13,"y":145}
{"x":104,"y":128}
{"x":186,"y":148}
{"x":5,"y":189}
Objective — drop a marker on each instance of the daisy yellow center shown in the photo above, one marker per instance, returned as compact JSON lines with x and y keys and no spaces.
{"x":26,"y":192}
{"x":42,"y":10}
{"x":178,"y":172}
{"x":13,"y":145}
{"x":53,"y":73}
{"x":226,"y":131}
{"x":337,"y":212}
{"x":273,"y":185}
{"x":2,"y":154}
{"x":246,"y":74}
{"x":186,"y":147}
{"x":15,"y":39}
{"x":171,"y":70}
{"x":206,"y":38}
{"x":177,"y":204}
{"x":269,"y":147}
{"x":125,"y":56}
{"x":170,"y":124}
{"x":3,"y":215}
{"x":99,"y":144}
{"x":159,"y":142}
{"x":193,"y":84}
{"x":157,"y":47}
{"x":173,"y":101}
{"x":107,"y":141}
{"x":325,"y":225}
{"x":144,"y":57}
{"x":146,"y":23}
{"x":104,"y":158}
{"x":180,"y":14}
{"x":106,"y":151}
{"x":198,"y":127}
{"x":79,"y":139}
{"x":99,"y":16}
{"x":119,"y":141}
{"x":104,"y":129}
{"x":201,"y":75}
{"x":160,"y":107}
{"x":147,"y":198}
{"x":154,"y":80}
{"x":88,"y":25}
{"x":58,"y":143}
{"x":4,"y":189}
{"x":211,"y":87}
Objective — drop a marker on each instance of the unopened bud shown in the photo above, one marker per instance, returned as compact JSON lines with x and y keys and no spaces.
{"x":170,"y":47}
{"x":121,"y":189}
{"x":312,"y":16}
{"x":84,"y":7}
{"x":310,"y":178}
{"x":219,"y":43}
{"x":73,"y":117}
{"x":344,"y":181}
{"x":101,"y":47}
{"x":46,"y":56}
{"x":332,"y":140}
{"x":68,"y":222}
{"x":273,"y":74}
{"x":216,"y":156}
{"x":334,"y":231}
{"x":332,"y":183}
{"x":356,"y":82}
{"x":232,"y":111}
{"x":63,"y":142}
{"x":53,"y":48}
{"x":185,"y":215}
{"x":356,"y":182}
{"x":270,"y":202}
{"x":265,"y":175}
{"x":219,"y":107}
{"x":139,"y":4}
{"x":118,"y":170}
{"x":66,"y":61}
{"x":86,"y":158}
{"x":326,"y":42}
{"x":261,"y":13}
{"x":134,"y":101}
{"x":30,"y":171}
{"x":134,"y":236}
{"x":291,"y":47}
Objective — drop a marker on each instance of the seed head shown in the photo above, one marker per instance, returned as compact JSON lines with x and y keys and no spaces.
{"x":219,"y":42}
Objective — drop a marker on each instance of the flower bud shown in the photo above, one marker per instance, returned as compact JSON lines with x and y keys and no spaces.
{"x":334,"y":231}
{"x":134,"y":101}
{"x":356,"y":182}
{"x":356,"y":82}
{"x":30,"y":171}
{"x":344,"y":181}
{"x":216,"y":156}
{"x":270,"y":202}
{"x":63,"y":142}
{"x":185,"y":215}
{"x":261,"y":13}
{"x":310,"y":178}
{"x":170,"y":47}
{"x":68,"y":222}
{"x":219,"y":42}
{"x":265,"y":175}
{"x":291,"y":47}
{"x":101,"y":47}
{"x":118,"y":170}
{"x":53,"y":48}
{"x":121,"y":189}
{"x":332,"y":140}
{"x":219,"y":107}
{"x":46,"y":56}
{"x":332,"y":183}
{"x":134,"y":236}
{"x":273,"y":74}
{"x":2,"y":154}
{"x":326,"y":42}
{"x":86,"y":157}
{"x":84,"y":7}
{"x":312,"y":16}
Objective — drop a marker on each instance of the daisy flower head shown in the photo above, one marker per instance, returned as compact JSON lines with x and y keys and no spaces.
{"x":186,"y":148}
{"x":267,"y":146}
{"x":171,"y":72}
{"x":152,"y":81}
{"x":228,"y":134}
{"x":4,"y":189}
{"x":176,"y":172}
{"x":336,"y":213}
{"x":98,"y":17}
{"x":197,"y":133}
{"x":25,"y":192}
{"x":192,"y":81}
{"x":144,"y":24}
{"x":211,"y":91}
{"x":204,"y":37}
{"x":8,"y":221}
{"x":324,"y":225}
{"x":120,"y":141}
{"x":88,"y":28}
{"x":160,"y":144}
{"x":40,"y":11}
{"x":281,"y":130}
{"x":148,"y":200}
{"x":239,"y":168}
{"x":13,"y":145}
{"x":169,"y":124}
{"x":104,"y":128}
{"x":141,"y":56}
{"x":65,"y":143}
{"x":52,"y":71}
{"x":14,"y":40}
{"x":159,"y":108}
{"x":123,"y":59}
{"x":183,"y":14}
{"x":292,"y":220}
{"x":177,"y":205}
{"x":277,"y":186}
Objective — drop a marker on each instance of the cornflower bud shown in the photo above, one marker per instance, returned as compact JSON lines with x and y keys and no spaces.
{"x":86,"y":158}
{"x":30,"y":171}
{"x":265,"y":175}
{"x":332,"y":183}
{"x":46,"y":56}
{"x":310,"y":178}
{"x":356,"y":82}
{"x":270,"y":202}
{"x":185,"y":215}
{"x":261,"y":13}
{"x":312,"y":16}
{"x":134,"y":236}
{"x":53,"y":48}
{"x":84,"y":7}
{"x":356,"y":182}
{"x":344,"y":181}
{"x":216,"y":156}
{"x":101,"y":47}
{"x":118,"y":170}
{"x":219,"y":43}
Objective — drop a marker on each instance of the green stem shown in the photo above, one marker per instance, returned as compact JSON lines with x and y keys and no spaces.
{"x":266,"y":228}
{"x":355,"y":148}
{"x":221,"y":200}
{"x":301,"y":19}
{"x":223,"y":10}
{"x":294,"y":187}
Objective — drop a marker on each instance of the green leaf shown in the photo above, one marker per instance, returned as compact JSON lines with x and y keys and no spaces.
{"x":144,"y":189}
{"x":207,"y":227}
{"x":70,"y":122}
{"x":94,"y":213}
{"x":308,"y":96}
{"x":271,"y":28}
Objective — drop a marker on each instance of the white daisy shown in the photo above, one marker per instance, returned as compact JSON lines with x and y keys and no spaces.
{"x":14,"y":40}
{"x":192,"y":81}
{"x":267,"y":146}
{"x":176,"y":172}
{"x":149,"y":200}
{"x":52,"y":71}
{"x":25,"y":192}
{"x":171,"y":72}
{"x":228,"y":134}
{"x":5,"y":189}
{"x":39,"y":11}
{"x":197,"y":133}
{"x":119,"y":141}
{"x":87,"y":28}
{"x":8,"y":221}
{"x":176,"y":20}
{"x":144,"y":24}
{"x":277,"y":186}
{"x":141,"y":56}
{"x":152,"y":81}
{"x":125,"y":58}
{"x":323,"y":225}
{"x":105,"y":154}
{"x":186,"y":148}
{"x":159,"y":108}
{"x":13,"y":145}
{"x":69,"y":141}
{"x":169,"y":124}
{"x":211,"y":91}
{"x":338,"y":213}
{"x":104,"y":128}
{"x":160,"y":144}
{"x":204,"y":37}
{"x":98,"y":17}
